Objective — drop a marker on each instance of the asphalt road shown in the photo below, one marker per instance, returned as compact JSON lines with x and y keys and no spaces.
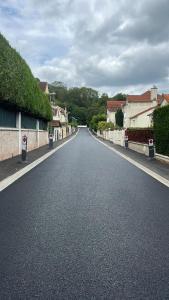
{"x":85,"y":224}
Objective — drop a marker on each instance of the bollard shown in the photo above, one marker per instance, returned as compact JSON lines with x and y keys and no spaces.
{"x":151,"y":148}
{"x":50,"y":141}
{"x":24,"y":148}
{"x":126,"y":141}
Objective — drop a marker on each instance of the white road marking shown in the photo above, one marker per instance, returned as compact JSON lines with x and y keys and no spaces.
{"x":11,"y":179}
{"x":156,"y":176}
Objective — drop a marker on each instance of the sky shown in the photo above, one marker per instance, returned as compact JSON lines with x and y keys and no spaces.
{"x":109,"y":45}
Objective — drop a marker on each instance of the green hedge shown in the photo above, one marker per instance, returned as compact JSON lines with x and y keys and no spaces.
{"x":161,"y":129}
{"x":18,"y":87}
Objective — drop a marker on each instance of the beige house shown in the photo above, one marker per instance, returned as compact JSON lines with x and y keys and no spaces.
{"x":138,"y":109}
{"x":60,"y":123}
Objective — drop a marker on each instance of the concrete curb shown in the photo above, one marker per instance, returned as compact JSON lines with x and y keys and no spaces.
{"x":136,"y":164}
{"x":11,"y":179}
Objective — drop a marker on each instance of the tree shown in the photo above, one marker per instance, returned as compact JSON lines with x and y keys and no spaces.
{"x":120,"y":97}
{"x":119,"y":118}
{"x":95,"y":120}
{"x":102,"y":125}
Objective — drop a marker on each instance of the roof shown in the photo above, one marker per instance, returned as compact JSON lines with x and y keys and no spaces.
{"x":145,"y":97}
{"x":114,"y":105}
{"x":165,"y":97}
{"x":142,"y":112}
{"x":43,"y":85}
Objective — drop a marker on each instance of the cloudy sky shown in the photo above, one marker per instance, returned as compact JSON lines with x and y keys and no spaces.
{"x":109,"y":45}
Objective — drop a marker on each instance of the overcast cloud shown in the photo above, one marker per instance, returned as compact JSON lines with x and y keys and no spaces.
{"x":109,"y":45}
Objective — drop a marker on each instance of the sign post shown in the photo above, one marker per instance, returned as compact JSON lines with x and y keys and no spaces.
{"x":151,"y":148}
{"x":24,"y":148}
{"x":50,"y":141}
{"x":126,"y":141}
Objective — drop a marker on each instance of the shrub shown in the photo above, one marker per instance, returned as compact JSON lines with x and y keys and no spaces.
{"x":161,"y":129}
{"x":141,"y":135}
{"x":105,"y":125}
{"x":18,"y":87}
{"x":119,"y":117}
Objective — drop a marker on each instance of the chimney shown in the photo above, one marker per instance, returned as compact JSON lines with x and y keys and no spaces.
{"x":154,"y":91}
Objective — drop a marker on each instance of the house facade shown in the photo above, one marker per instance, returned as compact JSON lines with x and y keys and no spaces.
{"x":59,"y":124}
{"x":138,"y":109}
{"x":112,"y":107}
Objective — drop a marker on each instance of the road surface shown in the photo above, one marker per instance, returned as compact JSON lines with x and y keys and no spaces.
{"x":85,"y":224}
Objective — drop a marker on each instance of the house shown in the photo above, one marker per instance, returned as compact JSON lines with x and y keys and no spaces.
{"x":138,"y":109}
{"x":112,"y":107}
{"x":59,"y":123}
{"x":165,"y":100}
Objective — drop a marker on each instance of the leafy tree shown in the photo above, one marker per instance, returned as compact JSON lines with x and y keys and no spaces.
{"x":82,"y":103}
{"x":96,"y":119}
{"x":102,"y":125}
{"x":119,"y":118}
{"x":120,"y":97}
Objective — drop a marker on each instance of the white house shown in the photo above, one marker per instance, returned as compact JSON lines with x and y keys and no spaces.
{"x":138,"y":109}
{"x":112,"y":107}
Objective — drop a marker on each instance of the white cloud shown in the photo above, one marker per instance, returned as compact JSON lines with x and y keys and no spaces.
{"x":105,"y":44}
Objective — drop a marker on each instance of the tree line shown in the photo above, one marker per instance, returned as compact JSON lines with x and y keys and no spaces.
{"x":85,"y":105}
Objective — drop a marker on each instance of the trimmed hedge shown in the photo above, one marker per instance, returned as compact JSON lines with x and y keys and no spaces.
{"x":161,"y":129}
{"x":140,"y":135}
{"x":18,"y":87}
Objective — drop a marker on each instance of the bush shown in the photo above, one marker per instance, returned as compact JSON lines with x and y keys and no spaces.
{"x":18,"y":87}
{"x":105,"y":125}
{"x":140,"y":135}
{"x":119,"y":118}
{"x":161,"y":129}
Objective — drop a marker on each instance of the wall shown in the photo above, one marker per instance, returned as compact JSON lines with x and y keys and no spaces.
{"x":131,"y":109}
{"x":11,"y":138}
{"x":142,"y":121}
{"x":115,"y":136}
{"x":118,"y":136}
{"x":8,"y":138}
{"x":139,"y":147}
{"x":111,"y":116}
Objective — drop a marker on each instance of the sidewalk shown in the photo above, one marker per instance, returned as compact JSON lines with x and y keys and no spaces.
{"x":154,"y":165}
{"x":11,"y":166}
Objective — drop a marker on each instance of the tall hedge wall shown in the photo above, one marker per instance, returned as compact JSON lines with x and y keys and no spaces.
{"x":18,"y":87}
{"x":161,"y":129}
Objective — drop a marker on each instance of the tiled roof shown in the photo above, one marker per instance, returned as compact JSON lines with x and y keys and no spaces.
{"x":113,"y":105}
{"x":142,"y":112}
{"x":145,"y":97}
{"x":165,"y":97}
{"x":43,"y":85}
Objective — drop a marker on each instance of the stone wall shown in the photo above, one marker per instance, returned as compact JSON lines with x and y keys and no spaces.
{"x":139,"y":147}
{"x":10,"y":141}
